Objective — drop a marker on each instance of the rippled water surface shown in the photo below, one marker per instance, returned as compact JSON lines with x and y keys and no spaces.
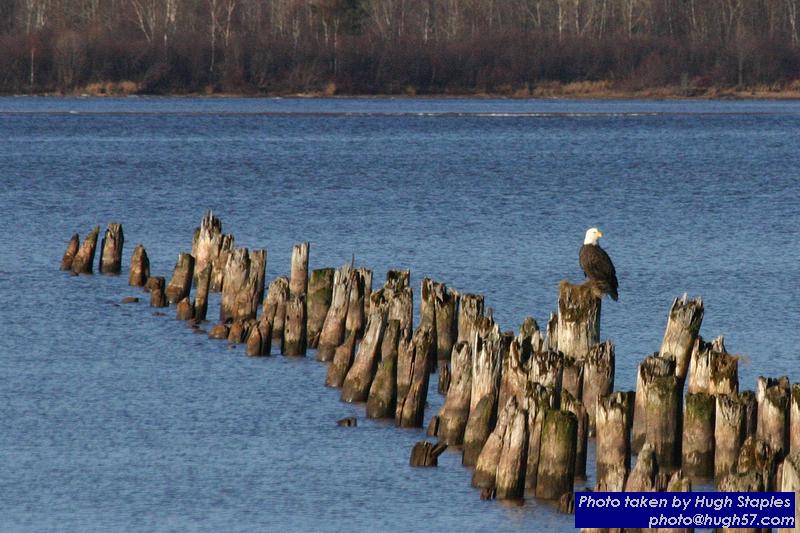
{"x":114,"y":419}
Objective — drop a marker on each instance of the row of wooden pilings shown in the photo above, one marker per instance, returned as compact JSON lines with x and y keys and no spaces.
{"x":520,"y":406}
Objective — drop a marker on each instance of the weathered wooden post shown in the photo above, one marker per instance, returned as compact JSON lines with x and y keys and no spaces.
{"x":446,"y":305}
{"x":201,"y":293}
{"x":140,"y":267}
{"x":698,"y":435}
{"x":713,"y":370}
{"x":298,"y":278}
{"x":576,"y":407}
{"x":320,"y":293}
{"x":237,"y":271}
{"x":537,"y":402}
{"x":294,"y":334}
{"x":750,"y":407}
{"x":181,"y":282}
{"x":794,"y":419}
{"x":401,"y":301}
{"x":342,"y":361}
{"x":469,"y":311}
{"x":255,"y":283}
{"x":83,"y":261}
{"x":573,"y":376}
{"x":483,"y":397}
{"x":650,"y":368}
{"x":547,"y":369}
{"x":157,"y":296}
{"x":185,"y":309}
{"x":683,"y":325}
{"x":111,"y":249}
{"x":758,"y":456}
{"x":773,"y":413}
{"x":598,"y":377}
{"x":275,"y":306}
{"x":643,"y":476}
{"x":613,"y":448}
{"x":259,"y":339}
{"x":663,"y":415}
{"x":411,"y":406}
{"x":426,"y":454}
{"x":557,"y":455}
{"x":69,"y":254}
{"x":514,"y":376}
{"x":206,"y":243}
{"x":427,"y":305}
{"x":790,"y":482}
{"x":220,"y":262}
{"x":382,"y":400}
{"x":366,"y":278}
{"x":455,"y":411}
{"x":333,"y":327}
{"x":485,"y":473}
{"x":728,"y":433}
{"x":359,"y":378}
{"x":356,"y":319}
{"x":511,"y":467}
{"x":578,"y":323}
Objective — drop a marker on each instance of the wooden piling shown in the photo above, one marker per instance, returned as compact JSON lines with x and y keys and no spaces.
{"x":485,"y":473}
{"x":298,"y":278}
{"x":69,"y":254}
{"x":455,"y":411}
{"x":485,"y":366}
{"x":219,"y":263}
{"x":410,"y":409}
{"x":750,"y":407}
{"x":728,"y":433}
{"x":359,"y":378}
{"x":557,"y":455}
{"x":275,"y":306}
{"x":259,"y":339}
{"x":537,"y":403}
{"x":185,"y":310}
{"x":643,"y":476}
{"x":511,"y":467}
{"x":547,"y":369}
{"x":664,"y":412}
{"x":426,"y":454}
{"x":469,"y":311}
{"x":794,"y":419}
{"x":356,"y":319}
{"x":790,"y":482}
{"x":206,"y":244}
{"x":157,"y":296}
{"x":649,"y":369}
{"x":773,"y":413}
{"x":203,"y":281}
{"x":479,"y":425}
{"x":598,"y":378}
{"x":713,"y":370}
{"x":576,"y":407}
{"x":401,"y":308}
{"x":514,"y":377}
{"x":320,"y":293}
{"x":683,"y":326}
{"x":111,"y":249}
{"x":237,"y":271}
{"x":446,"y":305}
{"x":573,"y":376}
{"x":698,"y":435}
{"x":294,"y":332}
{"x":382,"y":400}
{"x":181,"y":282}
{"x":758,"y":456}
{"x":140,"y":267}
{"x":578,"y":326}
{"x":342,"y":361}
{"x":612,"y":449}
{"x":83,"y":261}
{"x":333,"y":328}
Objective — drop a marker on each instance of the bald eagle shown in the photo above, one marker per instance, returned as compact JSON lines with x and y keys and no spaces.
{"x":597,"y":265}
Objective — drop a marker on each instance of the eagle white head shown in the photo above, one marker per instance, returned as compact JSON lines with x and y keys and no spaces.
{"x":592,"y":234}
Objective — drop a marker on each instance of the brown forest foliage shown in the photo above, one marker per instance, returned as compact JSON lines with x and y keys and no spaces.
{"x":394,"y":46}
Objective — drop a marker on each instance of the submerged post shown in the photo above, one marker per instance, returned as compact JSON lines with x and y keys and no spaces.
{"x":111,"y":249}
{"x":140,"y":267}
{"x":69,"y":254}
{"x":83,"y":261}
{"x":157,"y":296}
{"x":181,"y":283}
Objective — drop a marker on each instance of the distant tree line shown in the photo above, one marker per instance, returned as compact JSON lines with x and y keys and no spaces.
{"x":394,"y":46}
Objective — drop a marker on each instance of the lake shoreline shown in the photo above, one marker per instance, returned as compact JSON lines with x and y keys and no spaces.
{"x":552,"y":90}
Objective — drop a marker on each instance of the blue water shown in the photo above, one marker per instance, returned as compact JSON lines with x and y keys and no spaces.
{"x":114,"y":419}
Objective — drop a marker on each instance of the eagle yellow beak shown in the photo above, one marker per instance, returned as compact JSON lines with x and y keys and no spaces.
{"x":599,"y":233}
